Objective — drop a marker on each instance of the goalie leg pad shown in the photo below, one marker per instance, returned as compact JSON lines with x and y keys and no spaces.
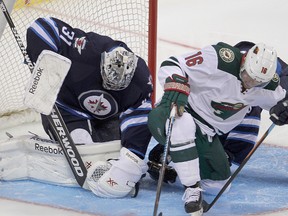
{"x":39,"y":159}
{"x":116,"y":178}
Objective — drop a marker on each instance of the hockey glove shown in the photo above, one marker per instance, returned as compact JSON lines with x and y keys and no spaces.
{"x":154,"y":170}
{"x":176,"y":91}
{"x":155,"y":164}
{"x":279,"y":112}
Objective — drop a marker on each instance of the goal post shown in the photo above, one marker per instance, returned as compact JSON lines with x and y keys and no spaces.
{"x":152,"y":43}
{"x":132,"y":21}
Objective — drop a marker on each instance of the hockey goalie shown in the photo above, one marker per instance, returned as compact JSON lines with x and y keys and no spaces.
{"x":102,"y":90}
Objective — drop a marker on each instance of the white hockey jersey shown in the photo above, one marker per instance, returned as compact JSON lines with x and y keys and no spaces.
{"x":216,"y":92}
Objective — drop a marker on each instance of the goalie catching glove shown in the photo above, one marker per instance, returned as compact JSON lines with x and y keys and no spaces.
{"x":279,"y":113}
{"x":176,"y":91}
{"x":116,"y":178}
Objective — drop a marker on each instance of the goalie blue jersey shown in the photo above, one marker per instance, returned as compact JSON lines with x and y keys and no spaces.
{"x":82,"y":93}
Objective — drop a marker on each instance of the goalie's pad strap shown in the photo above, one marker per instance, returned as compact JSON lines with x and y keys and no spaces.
{"x":48,"y":75}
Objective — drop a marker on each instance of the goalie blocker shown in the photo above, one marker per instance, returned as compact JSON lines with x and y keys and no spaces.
{"x":48,"y":75}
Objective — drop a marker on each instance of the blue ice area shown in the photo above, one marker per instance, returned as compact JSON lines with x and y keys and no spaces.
{"x":262,"y":186}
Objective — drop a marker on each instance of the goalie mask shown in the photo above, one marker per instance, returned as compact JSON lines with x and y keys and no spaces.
{"x":259,"y":64}
{"x":117,"y":68}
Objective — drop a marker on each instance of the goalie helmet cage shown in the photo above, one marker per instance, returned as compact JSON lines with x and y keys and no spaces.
{"x":132,"y":21}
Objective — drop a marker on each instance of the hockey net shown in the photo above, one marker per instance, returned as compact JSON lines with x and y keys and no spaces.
{"x":132,"y":21}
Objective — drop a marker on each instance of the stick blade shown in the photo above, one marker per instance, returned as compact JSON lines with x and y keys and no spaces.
{"x":206,"y":206}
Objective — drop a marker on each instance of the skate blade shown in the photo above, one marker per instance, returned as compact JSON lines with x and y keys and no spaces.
{"x":197,"y":213}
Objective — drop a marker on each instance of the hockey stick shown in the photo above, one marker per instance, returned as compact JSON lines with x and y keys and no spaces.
{"x":207,"y":206}
{"x":55,"y":119}
{"x":164,"y":159}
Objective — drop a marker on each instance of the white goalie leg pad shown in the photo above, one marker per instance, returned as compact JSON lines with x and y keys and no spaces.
{"x":48,"y":75}
{"x":13,"y":161}
{"x":116,"y":179}
{"x":43,"y":160}
{"x":213,"y":187}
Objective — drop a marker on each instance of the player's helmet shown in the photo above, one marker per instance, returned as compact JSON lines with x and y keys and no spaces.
{"x":117,"y":68}
{"x":260,"y":63}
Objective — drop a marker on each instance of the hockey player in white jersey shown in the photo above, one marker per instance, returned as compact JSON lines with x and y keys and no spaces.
{"x":213,"y":89}
{"x":241,"y":139}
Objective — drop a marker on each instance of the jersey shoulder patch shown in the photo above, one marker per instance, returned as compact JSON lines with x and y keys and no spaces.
{"x":273,"y":84}
{"x":229,"y":58}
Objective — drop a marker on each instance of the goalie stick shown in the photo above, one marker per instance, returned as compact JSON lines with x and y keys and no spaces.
{"x":164,"y":159}
{"x":207,"y":206}
{"x":55,"y":119}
